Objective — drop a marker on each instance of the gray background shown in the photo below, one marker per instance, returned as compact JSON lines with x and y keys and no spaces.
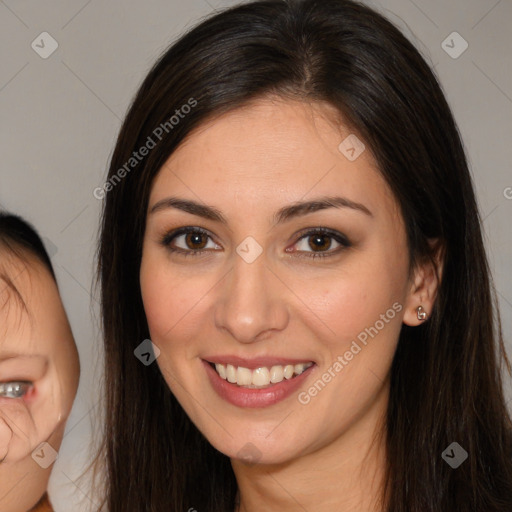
{"x":60,"y":117}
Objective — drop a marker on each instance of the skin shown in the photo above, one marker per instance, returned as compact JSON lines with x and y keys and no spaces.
{"x":39,"y":348}
{"x":248,"y":164}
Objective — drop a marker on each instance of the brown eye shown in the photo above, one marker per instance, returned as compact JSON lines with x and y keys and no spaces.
{"x":316,"y":243}
{"x":189,"y":241}
{"x":195,"y":241}
{"x":321,"y":242}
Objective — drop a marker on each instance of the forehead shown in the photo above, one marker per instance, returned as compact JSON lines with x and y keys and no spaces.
{"x":263,"y":139}
{"x":13,"y":285}
{"x":28,"y":299}
{"x":269,"y":152}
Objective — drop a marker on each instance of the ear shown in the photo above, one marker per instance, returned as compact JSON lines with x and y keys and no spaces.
{"x":424,"y":284}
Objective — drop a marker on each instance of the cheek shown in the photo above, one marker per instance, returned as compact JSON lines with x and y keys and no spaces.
{"x":157,"y":295}
{"x":172,"y":302}
{"x":159,"y":307}
{"x":356,"y":299}
{"x":17,"y":428}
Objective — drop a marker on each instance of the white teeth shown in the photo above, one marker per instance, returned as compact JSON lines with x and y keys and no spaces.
{"x":231,"y":373}
{"x":221,"y":370}
{"x":298,"y":368}
{"x":260,"y":377}
{"x":288,"y":371}
{"x":243,"y":376}
{"x":276,"y":374}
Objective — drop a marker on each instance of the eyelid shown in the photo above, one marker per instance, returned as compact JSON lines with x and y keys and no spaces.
{"x":337,"y":235}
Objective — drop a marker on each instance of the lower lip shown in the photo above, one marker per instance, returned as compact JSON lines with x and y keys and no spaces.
{"x":251,"y":397}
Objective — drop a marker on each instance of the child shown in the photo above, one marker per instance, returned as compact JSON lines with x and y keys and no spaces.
{"x":39,"y":368}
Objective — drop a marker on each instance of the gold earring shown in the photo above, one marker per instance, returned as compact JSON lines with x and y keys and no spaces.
{"x":422,"y":314}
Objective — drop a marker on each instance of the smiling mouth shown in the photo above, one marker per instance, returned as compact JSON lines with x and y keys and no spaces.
{"x":259,"y":378}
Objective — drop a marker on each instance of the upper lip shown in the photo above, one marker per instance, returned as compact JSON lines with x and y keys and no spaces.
{"x":256,"y":362}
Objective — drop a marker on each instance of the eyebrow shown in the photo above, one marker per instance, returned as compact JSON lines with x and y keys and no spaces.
{"x":284,"y":214}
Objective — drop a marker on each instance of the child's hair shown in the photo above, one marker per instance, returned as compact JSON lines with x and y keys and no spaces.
{"x":19,"y":239}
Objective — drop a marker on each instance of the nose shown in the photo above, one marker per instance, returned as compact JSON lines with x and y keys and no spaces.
{"x":252,"y":302}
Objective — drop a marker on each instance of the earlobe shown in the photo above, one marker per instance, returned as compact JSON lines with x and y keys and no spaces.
{"x":424,"y":288}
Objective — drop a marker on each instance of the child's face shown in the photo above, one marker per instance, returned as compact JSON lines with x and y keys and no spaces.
{"x":39,"y":368}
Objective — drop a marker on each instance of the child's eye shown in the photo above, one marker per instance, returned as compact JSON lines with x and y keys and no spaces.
{"x":15,"y":389}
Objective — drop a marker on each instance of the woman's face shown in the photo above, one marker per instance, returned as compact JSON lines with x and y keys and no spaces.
{"x":271,"y":295}
{"x":39,"y":367}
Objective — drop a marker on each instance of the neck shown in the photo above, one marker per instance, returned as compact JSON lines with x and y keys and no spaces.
{"x":346,"y":474}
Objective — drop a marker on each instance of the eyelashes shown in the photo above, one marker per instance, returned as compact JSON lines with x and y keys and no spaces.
{"x":195,"y":235}
{"x":15,"y":389}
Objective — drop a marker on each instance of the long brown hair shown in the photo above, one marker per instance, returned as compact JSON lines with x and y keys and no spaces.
{"x":446,"y":375}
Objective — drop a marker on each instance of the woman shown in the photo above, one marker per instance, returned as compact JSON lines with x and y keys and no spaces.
{"x":296,"y":302}
{"x":39,"y":368}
